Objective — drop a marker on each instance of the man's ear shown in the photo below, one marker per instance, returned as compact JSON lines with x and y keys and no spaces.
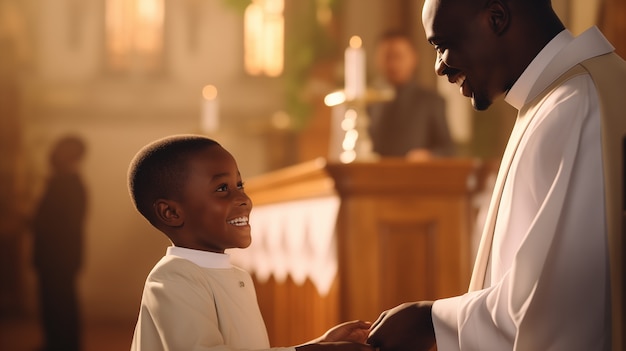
{"x":499,"y":16}
{"x":169,"y":213}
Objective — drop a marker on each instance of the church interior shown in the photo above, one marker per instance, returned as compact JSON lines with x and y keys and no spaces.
{"x":334,"y":239}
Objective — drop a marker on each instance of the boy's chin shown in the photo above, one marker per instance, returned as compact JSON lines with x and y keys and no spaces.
{"x":244,"y":244}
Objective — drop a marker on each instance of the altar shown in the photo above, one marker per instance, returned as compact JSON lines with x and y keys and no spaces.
{"x":333,"y":242}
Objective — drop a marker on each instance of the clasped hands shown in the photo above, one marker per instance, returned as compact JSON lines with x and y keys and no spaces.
{"x":407,"y":327}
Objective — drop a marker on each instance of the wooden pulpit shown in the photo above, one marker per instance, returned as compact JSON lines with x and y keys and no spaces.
{"x":402,"y":232}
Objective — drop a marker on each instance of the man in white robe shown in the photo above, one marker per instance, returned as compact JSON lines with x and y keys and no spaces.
{"x":542,"y":279}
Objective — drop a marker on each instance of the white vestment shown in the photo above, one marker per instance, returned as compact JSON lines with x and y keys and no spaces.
{"x":547,"y":278}
{"x":199,"y":302}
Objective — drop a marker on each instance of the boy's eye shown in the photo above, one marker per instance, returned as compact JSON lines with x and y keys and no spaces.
{"x":224,"y":187}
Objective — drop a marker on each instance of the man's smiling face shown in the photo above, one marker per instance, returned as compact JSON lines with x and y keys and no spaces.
{"x":468,"y":50}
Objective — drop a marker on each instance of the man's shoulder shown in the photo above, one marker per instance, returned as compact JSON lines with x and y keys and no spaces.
{"x":575,"y":90}
{"x":609,"y":69}
{"x":604,"y":72}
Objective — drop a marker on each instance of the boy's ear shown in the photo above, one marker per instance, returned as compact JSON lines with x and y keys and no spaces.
{"x":169,"y":213}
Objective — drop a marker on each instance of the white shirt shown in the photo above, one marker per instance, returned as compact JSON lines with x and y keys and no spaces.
{"x":196,"y":300}
{"x":547,"y":281}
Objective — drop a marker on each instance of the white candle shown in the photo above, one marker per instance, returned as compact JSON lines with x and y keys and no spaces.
{"x":354,"y":69}
{"x":210,"y":110}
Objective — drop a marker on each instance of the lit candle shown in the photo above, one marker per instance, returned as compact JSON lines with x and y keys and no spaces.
{"x":210,"y":110}
{"x":354,"y":69}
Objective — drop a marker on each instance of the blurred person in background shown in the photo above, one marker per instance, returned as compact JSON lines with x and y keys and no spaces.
{"x":58,"y":233}
{"x":413,"y":124}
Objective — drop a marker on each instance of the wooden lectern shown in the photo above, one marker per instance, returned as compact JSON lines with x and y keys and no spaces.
{"x":403,"y":233}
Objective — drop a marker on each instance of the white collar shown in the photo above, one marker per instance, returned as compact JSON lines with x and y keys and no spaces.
{"x":204,"y":259}
{"x":517,"y":95}
{"x":559,"y":55}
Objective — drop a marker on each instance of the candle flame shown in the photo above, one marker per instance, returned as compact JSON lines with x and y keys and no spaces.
{"x":209,"y":92}
{"x":355,"y":42}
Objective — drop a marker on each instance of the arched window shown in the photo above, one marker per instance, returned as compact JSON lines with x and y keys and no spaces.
{"x":134,"y":35}
{"x":264,"y":37}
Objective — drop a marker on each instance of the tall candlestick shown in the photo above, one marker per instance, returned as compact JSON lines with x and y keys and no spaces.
{"x":210,"y":110}
{"x":354,"y":69}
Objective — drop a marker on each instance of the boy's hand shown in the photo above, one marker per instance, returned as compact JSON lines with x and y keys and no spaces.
{"x":348,"y":336}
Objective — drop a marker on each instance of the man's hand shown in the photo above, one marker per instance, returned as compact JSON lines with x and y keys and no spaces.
{"x":407,"y":327}
{"x":354,"y":331}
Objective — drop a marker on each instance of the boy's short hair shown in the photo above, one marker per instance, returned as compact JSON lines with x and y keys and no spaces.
{"x":159,"y":170}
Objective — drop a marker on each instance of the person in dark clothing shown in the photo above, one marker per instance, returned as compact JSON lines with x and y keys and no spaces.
{"x":58,"y":245}
{"x":413,"y":123}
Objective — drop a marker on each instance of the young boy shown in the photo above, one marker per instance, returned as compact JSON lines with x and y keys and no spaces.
{"x":189,"y":188}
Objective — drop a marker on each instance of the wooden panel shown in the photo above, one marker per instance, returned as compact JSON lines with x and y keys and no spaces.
{"x":380,"y":236}
{"x":397,"y":176}
{"x":297,"y":182}
{"x":407,"y":262}
{"x":294,"y":313}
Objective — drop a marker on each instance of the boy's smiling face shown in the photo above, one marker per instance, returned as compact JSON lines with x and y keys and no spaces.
{"x":213,"y":206}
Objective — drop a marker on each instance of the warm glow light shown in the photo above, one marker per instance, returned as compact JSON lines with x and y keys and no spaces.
{"x":210,"y":119}
{"x":347,"y":156}
{"x":253,"y":39}
{"x":273,"y":50}
{"x":350,"y":138}
{"x":281,"y":120}
{"x":335,"y":98}
{"x":354,"y":70}
{"x":355,"y":42}
{"x":349,"y":141}
{"x":349,"y":121}
{"x":264,"y":32}
{"x":273,"y":7}
{"x":134,"y":33}
{"x":148,"y":23}
{"x":209,"y":92}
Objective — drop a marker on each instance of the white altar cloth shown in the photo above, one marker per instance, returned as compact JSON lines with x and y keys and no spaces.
{"x":296,"y":239}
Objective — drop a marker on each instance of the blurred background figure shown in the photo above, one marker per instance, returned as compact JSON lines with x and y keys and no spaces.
{"x":58,"y":245}
{"x":413,"y":123}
